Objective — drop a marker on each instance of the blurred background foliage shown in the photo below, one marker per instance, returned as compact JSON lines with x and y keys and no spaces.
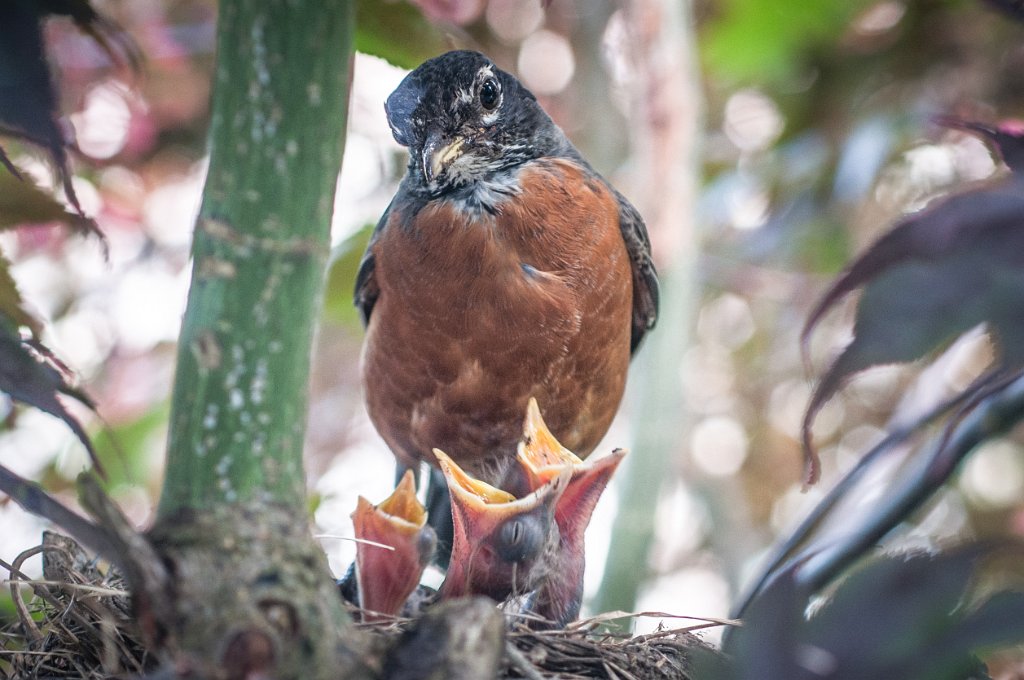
{"x":814,"y":138}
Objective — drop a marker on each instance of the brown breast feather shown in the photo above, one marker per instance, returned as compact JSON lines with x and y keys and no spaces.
{"x":463,"y":334}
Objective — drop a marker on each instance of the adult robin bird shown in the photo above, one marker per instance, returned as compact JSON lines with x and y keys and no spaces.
{"x":504,"y":268}
{"x":503,"y":545}
{"x":396,"y":546}
{"x":557,"y":598}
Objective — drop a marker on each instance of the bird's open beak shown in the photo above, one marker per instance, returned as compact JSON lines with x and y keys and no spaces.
{"x":542,"y":457}
{"x":558,"y":598}
{"x":539,"y":452}
{"x":500,"y":541}
{"x":439,"y":152}
{"x":387,"y":573}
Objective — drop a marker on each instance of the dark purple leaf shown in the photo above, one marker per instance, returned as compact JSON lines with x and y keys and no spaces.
{"x":936,"y":275}
{"x":110,"y":37}
{"x":909,"y":616}
{"x":28,"y":100}
{"x":34,"y":499}
{"x":1012,"y":8}
{"x":898,"y":616}
{"x":31,"y":374}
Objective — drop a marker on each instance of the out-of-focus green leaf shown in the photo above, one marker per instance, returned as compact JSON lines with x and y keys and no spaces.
{"x":24,"y":203}
{"x":765,"y":39}
{"x":396,"y":31}
{"x":12,"y":308}
{"x":122,"y":448}
{"x":7,"y":611}
{"x":314,"y":501}
{"x":824,"y":245}
{"x":341,"y":277}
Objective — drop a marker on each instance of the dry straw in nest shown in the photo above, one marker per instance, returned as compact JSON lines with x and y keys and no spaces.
{"x":79,"y":624}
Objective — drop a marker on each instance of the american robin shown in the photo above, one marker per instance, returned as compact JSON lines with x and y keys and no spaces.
{"x":528,"y":548}
{"x":502,"y":545}
{"x":557,"y":598}
{"x":504,"y":268}
{"x":396,"y":546}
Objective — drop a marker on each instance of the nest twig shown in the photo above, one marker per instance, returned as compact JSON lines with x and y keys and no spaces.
{"x":79,"y":624}
{"x":584,"y":650}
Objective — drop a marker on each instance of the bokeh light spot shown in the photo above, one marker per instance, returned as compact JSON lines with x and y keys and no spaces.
{"x":719,"y":445}
{"x":993,"y":476}
{"x":752,"y":120}
{"x":101,"y":127}
{"x":513,"y":20}
{"x":546,"y":62}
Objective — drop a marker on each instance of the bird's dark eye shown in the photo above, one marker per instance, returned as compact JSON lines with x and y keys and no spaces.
{"x":520,"y":538}
{"x":490,"y":94}
{"x":513,"y":533}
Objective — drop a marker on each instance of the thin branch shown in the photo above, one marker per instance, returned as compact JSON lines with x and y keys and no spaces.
{"x":783,"y":552}
{"x":991,"y":418}
{"x":35,"y":500}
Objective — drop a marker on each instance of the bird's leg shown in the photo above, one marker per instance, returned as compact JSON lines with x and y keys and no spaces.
{"x":439,"y":516}
{"x":348,"y":585}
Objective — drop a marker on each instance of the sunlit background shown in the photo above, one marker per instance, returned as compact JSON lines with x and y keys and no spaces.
{"x":812,"y":131}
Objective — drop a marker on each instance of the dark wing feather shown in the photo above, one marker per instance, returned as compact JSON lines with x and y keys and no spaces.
{"x":367,"y":290}
{"x":645,"y":278}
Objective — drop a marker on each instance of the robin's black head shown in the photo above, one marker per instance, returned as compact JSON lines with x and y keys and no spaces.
{"x":465,"y":120}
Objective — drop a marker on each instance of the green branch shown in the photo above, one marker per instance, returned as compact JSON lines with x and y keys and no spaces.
{"x":279,"y":110}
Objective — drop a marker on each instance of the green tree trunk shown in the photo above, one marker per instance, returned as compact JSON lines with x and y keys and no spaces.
{"x":252,"y":591}
{"x":261,"y":241}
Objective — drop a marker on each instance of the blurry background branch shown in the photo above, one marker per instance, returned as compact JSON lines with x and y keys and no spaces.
{"x":666,"y":114}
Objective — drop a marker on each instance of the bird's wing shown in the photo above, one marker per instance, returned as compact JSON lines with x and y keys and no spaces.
{"x":645,"y":278}
{"x":367,"y":290}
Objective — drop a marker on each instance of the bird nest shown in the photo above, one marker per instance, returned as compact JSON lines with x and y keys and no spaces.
{"x":79,"y":624}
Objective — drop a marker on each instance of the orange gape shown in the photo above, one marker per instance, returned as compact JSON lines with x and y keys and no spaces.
{"x":394,"y":548}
